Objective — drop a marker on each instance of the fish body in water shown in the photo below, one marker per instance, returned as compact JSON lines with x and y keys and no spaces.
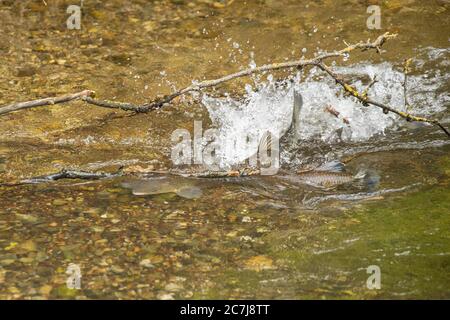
{"x":331,"y":175}
{"x":322,"y":179}
{"x":291,"y":131}
{"x":185,"y":188}
{"x":327,"y":179}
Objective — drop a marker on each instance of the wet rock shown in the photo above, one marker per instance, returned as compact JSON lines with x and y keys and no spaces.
{"x":7,"y":262}
{"x":121,"y":59}
{"x":155,"y":259}
{"x":28,"y":245}
{"x":45,"y":289}
{"x":117,"y":269}
{"x":64,"y":292}
{"x":173,"y":287}
{"x":26,"y":260}
{"x":165,"y":296}
{"x":98,"y":229}
{"x":26,"y":71}
{"x":27,"y":217}
{"x":259,"y":263}
{"x":146,"y":263}
{"x":59,"y":202}
{"x":93,"y":211}
{"x":2,"y":275}
{"x":7,"y":259}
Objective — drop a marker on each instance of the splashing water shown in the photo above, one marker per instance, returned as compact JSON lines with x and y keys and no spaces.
{"x":269,"y":107}
{"x":242,"y":125}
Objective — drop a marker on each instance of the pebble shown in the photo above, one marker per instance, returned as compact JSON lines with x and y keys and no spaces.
{"x":259,"y":263}
{"x":59,"y":202}
{"x":165,"y":296}
{"x":146,"y":263}
{"x":45,"y":289}
{"x":173,"y":287}
{"x":26,"y":71}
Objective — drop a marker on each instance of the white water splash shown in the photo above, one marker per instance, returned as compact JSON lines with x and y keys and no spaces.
{"x":241,"y":124}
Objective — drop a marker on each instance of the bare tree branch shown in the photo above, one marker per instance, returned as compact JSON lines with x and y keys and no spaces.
{"x":45,"y":102}
{"x":386,"y":109}
{"x":318,"y":61}
{"x":65,"y":174}
{"x":87,"y":95}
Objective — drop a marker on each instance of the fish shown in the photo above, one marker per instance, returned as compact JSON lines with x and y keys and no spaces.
{"x":270,"y":143}
{"x":291,"y":131}
{"x":185,"y":188}
{"x":328,"y":175}
{"x":298,"y":103}
{"x":328,"y":179}
{"x":332,"y":174}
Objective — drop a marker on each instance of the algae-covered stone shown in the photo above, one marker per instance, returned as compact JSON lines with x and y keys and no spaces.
{"x":259,"y":263}
{"x":65,"y":293}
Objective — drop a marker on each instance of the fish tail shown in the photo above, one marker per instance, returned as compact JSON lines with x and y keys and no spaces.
{"x":298,"y":104}
{"x":368,"y":178}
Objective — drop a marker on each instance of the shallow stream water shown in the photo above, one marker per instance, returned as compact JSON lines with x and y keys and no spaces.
{"x":254,"y":237}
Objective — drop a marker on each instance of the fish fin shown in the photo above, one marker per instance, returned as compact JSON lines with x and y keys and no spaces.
{"x":369,"y":179}
{"x":298,"y":103}
{"x":190,"y":192}
{"x":268,"y":151}
{"x":372,"y":180}
{"x":332,"y":166}
{"x":266,"y":142}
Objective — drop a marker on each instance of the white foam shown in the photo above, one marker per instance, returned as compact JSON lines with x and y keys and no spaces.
{"x":268,"y":107}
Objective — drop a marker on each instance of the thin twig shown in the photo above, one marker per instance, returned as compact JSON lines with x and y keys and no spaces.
{"x":317,"y":61}
{"x":336,"y":113}
{"x":369,"y":86}
{"x":66,"y":174}
{"x":159,"y":102}
{"x":111,"y":104}
{"x":86,"y":175}
{"x":386,"y":109}
{"x":270,"y":67}
{"x":45,"y":102}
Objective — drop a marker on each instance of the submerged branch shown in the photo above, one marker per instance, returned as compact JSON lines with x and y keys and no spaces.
{"x":92,"y":176}
{"x":72,"y":174}
{"x":65,"y":174}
